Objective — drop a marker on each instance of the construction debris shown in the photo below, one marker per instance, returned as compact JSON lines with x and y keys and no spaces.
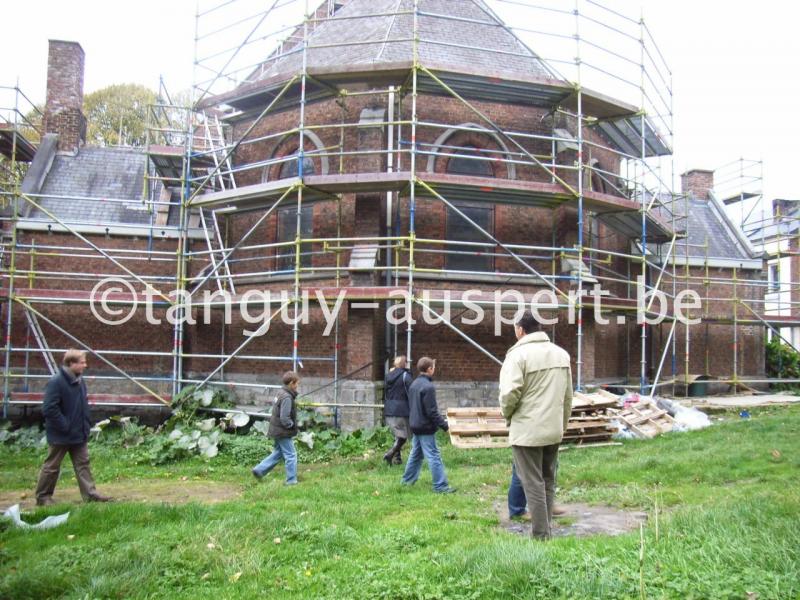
{"x":642,"y":418}
{"x":687,"y":418}
{"x":597,"y":419}
{"x":590,"y":422}
{"x":485,"y":427}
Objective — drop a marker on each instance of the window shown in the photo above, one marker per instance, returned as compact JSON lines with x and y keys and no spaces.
{"x":774,"y":278}
{"x":287,"y":231}
{"x":461,"y":165}
{"x":474,"y":258}
{"x":289,"y":168}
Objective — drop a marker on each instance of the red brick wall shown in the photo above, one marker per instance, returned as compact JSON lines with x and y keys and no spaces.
{"x":63,"y":113}
{"x":698,"y":182}
{"x":608,"y":351}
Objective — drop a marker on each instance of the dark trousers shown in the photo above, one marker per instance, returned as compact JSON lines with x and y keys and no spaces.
{"x":536,"y":468}
{"x":48,"y":477}
{"x":517,"y":503}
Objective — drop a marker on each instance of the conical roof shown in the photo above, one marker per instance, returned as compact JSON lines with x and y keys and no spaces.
{"x":457,"y":34}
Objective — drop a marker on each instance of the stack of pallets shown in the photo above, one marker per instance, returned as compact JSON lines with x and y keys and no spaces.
{"x":590,"y":422}
{"x":485,"y":427}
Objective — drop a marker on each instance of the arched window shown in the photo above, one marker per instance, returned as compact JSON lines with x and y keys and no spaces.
{"x":464,"y":164}
{"x":289,"y":168}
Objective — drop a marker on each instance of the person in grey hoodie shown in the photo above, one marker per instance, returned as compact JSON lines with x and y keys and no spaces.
{"x":283,"y":428}
{"x":395,"y":408}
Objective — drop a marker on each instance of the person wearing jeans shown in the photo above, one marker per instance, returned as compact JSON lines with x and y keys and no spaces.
{"x":425,"y":419}
{"x":517,"y":503}
{"x":283,"y":428}
{"x":284,"y":451}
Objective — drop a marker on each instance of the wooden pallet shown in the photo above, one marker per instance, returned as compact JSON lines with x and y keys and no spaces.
{"x":477,"y":428}
{"x":645,"y":419}
{"x":599,"y":400}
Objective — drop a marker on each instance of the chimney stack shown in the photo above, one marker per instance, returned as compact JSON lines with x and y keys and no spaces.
{"x":63,"y":111}
{"x":698,"y":183}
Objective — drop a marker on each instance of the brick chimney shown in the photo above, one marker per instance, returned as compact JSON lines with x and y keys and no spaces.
{"x":698,"y":183}
{"x":63,"y":111}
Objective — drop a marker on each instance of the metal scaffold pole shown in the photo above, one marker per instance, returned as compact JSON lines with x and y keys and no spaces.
{"x":300,"y":172}
{"x":579,"y":128}
{"x":643,"y":194}
{"x":412,"y":201}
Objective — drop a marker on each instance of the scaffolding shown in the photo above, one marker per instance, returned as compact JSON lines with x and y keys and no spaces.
{"x":596,"y":150}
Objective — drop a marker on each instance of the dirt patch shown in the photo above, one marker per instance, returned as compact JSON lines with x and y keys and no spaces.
{"x":154,"y":490}
{"x":580,"y":520}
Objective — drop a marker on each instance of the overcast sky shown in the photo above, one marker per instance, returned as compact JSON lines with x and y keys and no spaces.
{"x":735,"y":66}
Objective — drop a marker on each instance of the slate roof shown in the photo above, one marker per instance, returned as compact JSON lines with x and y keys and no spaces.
{"x":494,"y":46}
{"x":704,"y":222}
{"x":707,"y":222}
{"x":97,"y":173}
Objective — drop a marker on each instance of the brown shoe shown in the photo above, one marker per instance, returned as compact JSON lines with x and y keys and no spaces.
{"x":559,"y":510}
{"x":45,"y":501}
{"x":521,"y":518}
{"x":99,"y":498}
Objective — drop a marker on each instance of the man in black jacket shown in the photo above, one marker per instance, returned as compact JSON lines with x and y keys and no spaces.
{"x":425,"y":419}
{"x":66,"y":418}
{"x":395,"y":408}
{"x":283,"y":428}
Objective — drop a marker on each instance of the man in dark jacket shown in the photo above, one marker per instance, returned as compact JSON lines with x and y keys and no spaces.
{"x":395,"y":408}
{"x":66,"y":419}
{"x":282,"y":428}
{"x":425,"y":419}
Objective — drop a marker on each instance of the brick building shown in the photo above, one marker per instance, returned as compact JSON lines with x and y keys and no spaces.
{"x":396,"y":156}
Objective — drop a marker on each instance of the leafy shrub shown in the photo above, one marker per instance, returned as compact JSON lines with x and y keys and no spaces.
{"x":782,"y":362}
{"x":124,"y":430}
{"x":179,"y":445}
{"x":189,"y":400}
{"x":246,"y":449}
{"x":24,"y":437}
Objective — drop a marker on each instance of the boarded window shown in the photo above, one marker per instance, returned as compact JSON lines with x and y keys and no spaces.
{"x":470,"y":162}
{"x":469,"y":258}
{"x":287,"y":232}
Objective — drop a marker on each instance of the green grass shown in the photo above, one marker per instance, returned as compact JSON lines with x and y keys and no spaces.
{"x":729,"y":525}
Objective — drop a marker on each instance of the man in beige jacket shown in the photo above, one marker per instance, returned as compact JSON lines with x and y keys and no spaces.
{"x":536,"y":400}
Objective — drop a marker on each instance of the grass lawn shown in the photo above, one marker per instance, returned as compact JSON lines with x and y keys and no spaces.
{"x":728,"y":525}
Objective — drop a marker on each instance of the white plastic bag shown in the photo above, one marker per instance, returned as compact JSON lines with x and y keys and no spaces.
{"x":54,"y":521}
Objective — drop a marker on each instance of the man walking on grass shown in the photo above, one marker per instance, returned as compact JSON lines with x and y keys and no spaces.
{"x":282,"y":428}
{"x":536,"y":399}
{"x":425,"y":419}
{"x":66,"y":420}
